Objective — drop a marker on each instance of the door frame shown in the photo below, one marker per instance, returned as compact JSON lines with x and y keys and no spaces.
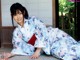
{"x":55,"y":13}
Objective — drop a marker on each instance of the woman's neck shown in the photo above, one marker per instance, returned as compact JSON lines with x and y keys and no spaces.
{"x":22,"y":24}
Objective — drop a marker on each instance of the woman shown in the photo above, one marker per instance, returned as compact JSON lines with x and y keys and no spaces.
{"x":52,"y":41}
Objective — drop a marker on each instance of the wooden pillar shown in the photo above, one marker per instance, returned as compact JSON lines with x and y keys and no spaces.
{"x":0,"y":23}
{"x":54,"y":13}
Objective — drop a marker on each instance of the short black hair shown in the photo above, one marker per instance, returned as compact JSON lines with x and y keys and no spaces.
{"x":17,"y":6}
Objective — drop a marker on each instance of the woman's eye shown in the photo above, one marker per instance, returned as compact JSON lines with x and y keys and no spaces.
{"x":20,"y":13}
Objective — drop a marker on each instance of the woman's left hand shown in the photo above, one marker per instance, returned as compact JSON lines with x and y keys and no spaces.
{"x":36,"y":53}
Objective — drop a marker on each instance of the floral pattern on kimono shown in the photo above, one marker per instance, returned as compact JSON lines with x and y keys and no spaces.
{"x":22,"y":35}
{"x":63,"y":45}
{"x":52,"y":40}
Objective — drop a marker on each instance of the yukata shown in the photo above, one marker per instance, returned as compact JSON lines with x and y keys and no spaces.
{"x":53,"y":41}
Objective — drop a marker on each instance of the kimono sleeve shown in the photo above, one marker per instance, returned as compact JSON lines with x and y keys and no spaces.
{"x":17,"y":36}
{"x":17,"y":42}
{"x":41,"y":35}
{"x":40,"y":31}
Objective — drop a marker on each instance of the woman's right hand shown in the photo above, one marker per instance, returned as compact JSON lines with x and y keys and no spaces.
{"x":6,"y":56}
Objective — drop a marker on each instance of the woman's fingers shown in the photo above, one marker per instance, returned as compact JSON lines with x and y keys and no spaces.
{"x":34,"y":57}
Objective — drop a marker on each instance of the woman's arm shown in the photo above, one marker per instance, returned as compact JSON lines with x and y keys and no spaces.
{"x":16,"y":40}
{"x":36,"y":53}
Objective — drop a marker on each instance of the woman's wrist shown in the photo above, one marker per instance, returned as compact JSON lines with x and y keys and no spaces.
{"x":38,"y":50}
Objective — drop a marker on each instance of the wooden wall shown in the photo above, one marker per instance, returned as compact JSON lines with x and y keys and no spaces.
{"x":6,"y":36}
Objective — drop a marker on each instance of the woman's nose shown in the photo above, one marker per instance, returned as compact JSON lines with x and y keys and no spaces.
{"x":18,"y":16}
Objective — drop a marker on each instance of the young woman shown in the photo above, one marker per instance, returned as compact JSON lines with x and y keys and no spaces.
{"x":52,"y":41}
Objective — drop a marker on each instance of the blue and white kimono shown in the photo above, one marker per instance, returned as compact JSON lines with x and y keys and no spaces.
{"x":52,"y":40}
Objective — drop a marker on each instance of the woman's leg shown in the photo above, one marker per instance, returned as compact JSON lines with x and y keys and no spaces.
{"x":63,"y":52}
{"x":61,"y":46}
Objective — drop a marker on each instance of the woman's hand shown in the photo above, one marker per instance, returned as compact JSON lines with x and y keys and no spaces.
{"x":5,"y":56}
{"x":36,"y":53}
{"x":8,"y":55}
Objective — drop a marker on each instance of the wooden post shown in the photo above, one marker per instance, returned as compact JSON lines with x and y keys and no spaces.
{"x":0,"y":23}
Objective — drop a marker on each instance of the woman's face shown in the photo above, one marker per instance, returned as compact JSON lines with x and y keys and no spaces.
{"x":18,"y":17}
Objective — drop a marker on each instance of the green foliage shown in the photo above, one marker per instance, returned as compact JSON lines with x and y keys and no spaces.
{"x":65,"y":6}
{"x":66,"y":18}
